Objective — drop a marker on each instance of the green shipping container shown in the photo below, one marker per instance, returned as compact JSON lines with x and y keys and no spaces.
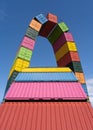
{"x":58,"y":30}
{"x":24,"y":53}
{"x":10,"y":80}
{"x":75,"y":66}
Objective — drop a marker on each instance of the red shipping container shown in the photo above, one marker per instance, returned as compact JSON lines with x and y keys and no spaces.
{"x":66,"y":59}
{"x":52,"y":17}
{"x":46,"y":116}
{"x":65,"y":37}
{"x":49,"y":25}
{"x":28,"y":43}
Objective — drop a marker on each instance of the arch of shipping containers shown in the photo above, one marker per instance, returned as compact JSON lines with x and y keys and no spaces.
{"x":47,"y":98}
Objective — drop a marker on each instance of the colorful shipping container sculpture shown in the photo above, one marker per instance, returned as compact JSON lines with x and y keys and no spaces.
{"x":47,"y":98}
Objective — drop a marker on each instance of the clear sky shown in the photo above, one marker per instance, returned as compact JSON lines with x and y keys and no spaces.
{"x":15,"y":17}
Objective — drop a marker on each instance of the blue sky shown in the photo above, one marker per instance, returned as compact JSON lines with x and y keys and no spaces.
{"x":15,"y":17}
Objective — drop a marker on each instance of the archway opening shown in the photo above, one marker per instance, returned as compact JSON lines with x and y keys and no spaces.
{"x":43,"y":54}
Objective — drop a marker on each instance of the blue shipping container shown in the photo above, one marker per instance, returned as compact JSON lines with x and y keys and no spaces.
{"x":68,"y":76}
{"x":41,"y":18}
{"x":85,"y":89}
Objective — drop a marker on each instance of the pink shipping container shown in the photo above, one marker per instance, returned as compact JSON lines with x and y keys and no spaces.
{"x":28,"y":43}
{"x":45,"y":91}
{"x":65,"y":37}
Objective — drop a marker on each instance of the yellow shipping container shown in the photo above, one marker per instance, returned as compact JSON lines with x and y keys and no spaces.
{"x":68,"y":46}
{"x":35,"y":25}
{"x":64,"y":69}
{"x":19,"y":64}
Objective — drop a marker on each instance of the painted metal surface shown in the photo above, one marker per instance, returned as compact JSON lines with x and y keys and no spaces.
{"x":41,"y":18}
{"x":18,"y":65}
{"x":56,"y":76}
{"x":48,"y":26}
{"x":65,"y":37}
{"x":45,"y":91}
{"x":66,"y":47}
{"x":58,"y":30}
{"x":80,"y":77}
{"x":47,"y":69}
{"x":75,"y":66}
{"x":31,"y":33}
{"x":28,"y":43}
{"x":46,"y":116}
{"x":35,"y":25}
{"x":24,"y":53}
{"x":52,"y":17}
{"x":67,"y":58}
{"x":85,"y":89}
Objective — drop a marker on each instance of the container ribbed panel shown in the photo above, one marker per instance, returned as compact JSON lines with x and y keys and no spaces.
{"x":45,"y":91}
{"x":46,"y":77}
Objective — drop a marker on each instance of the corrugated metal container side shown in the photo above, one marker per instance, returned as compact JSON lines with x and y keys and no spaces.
{"x":14,"y":74}
{"x":67,"y":58}
{"x":75,"y":66}
{"x":15,"y":68}
{"x":41,"y":18}
{"x":80,"y":77}
{"x":65,"y":37}
{"x":49,"y":25}
{"x":24,"y":53}
{"x":55,"y":34}
{"x":46,"y":116}
{"x":18,"y":65}
{"x":7,"y":87}
{"x":46,"y":91}
{"x":52,"y":17}
{"x":10,"y":80}
{"x":74,"y":56}
{"x":47,"y":28}
{"x":85,"y":88}
{"x":28,"y":43}
{"x":35,"y":25}
{"x":11,"y":71}
{"x":68,"y":46}
{"x":48,"y":69}
{"x":23,"y":50}
{"x":31,"y":33}
{"x":64,"y":27}
{"x":28,"y":77}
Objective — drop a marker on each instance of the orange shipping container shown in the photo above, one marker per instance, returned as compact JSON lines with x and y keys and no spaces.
{"x":80,"y":77}
{"x":35,"y":25}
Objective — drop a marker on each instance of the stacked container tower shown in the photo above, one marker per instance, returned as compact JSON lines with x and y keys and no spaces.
{"x":47,"y":98}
